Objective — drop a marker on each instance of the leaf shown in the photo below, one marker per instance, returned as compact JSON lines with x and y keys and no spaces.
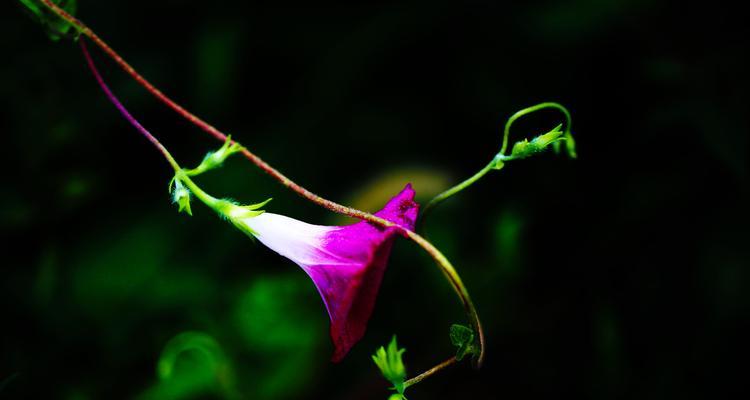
{"x":31,"y":5}
{"x":463,"y":338}
{"x":55,"y":26}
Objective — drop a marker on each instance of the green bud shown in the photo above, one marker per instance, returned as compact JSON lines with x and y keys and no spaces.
{"x":525,"y":148}
{"x":215,"y":159}
{"x":391,"y":365}
{"x":180,"y":195}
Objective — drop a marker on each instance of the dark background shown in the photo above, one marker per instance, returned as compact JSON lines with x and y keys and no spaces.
{"x":623,"y":274}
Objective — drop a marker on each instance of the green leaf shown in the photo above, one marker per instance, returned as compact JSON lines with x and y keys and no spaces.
{"x":55,"y":26}
{"x":391,"y":365}
{"x":32,"y":6}
{"x":463,"y":338}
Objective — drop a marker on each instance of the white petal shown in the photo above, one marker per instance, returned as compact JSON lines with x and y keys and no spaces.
{"x":296,"y":240}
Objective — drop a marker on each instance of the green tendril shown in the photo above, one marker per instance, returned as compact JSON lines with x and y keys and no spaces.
{"x":521,"y":149}
{"x":570,"y":144}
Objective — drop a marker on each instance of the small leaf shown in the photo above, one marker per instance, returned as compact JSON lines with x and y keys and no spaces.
{"x":391,"y":365}
{"x":463,"y":338}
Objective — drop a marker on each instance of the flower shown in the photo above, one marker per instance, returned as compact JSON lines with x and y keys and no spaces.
{"x":346,"y":263}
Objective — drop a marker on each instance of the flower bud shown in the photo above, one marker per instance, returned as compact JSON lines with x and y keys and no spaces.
{"x":181,"y":196}
{"x":391,"y":365}
{"x":214,"y":159}
{"x":525,"y":148}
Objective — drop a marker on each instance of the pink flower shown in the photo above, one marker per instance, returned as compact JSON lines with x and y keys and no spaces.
{"x":346,"y":263}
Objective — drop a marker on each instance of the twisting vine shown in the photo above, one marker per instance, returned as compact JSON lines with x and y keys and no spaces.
{"x":445,"y":266}
{"x":469,"y":341}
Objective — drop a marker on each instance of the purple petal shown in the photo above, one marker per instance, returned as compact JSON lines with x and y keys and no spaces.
{"x":349,"y":291}
{"x":346,"y":263}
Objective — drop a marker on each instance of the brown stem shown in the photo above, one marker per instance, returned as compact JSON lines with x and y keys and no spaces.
{"x":424,"y":375}
{"x":442,"y":262}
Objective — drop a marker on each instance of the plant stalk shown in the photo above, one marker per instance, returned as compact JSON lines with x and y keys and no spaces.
{"x":442,"y":262}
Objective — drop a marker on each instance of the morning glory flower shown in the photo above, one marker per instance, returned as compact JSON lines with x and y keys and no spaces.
{"x":346,"y":263}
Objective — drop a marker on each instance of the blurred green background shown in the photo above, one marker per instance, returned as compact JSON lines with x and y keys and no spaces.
{"x":623,"y":274}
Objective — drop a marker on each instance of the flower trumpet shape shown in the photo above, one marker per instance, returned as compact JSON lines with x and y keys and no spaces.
{"x":346,"y":263}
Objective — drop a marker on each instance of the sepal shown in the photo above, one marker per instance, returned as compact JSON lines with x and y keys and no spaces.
{"x":238,"y":214}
